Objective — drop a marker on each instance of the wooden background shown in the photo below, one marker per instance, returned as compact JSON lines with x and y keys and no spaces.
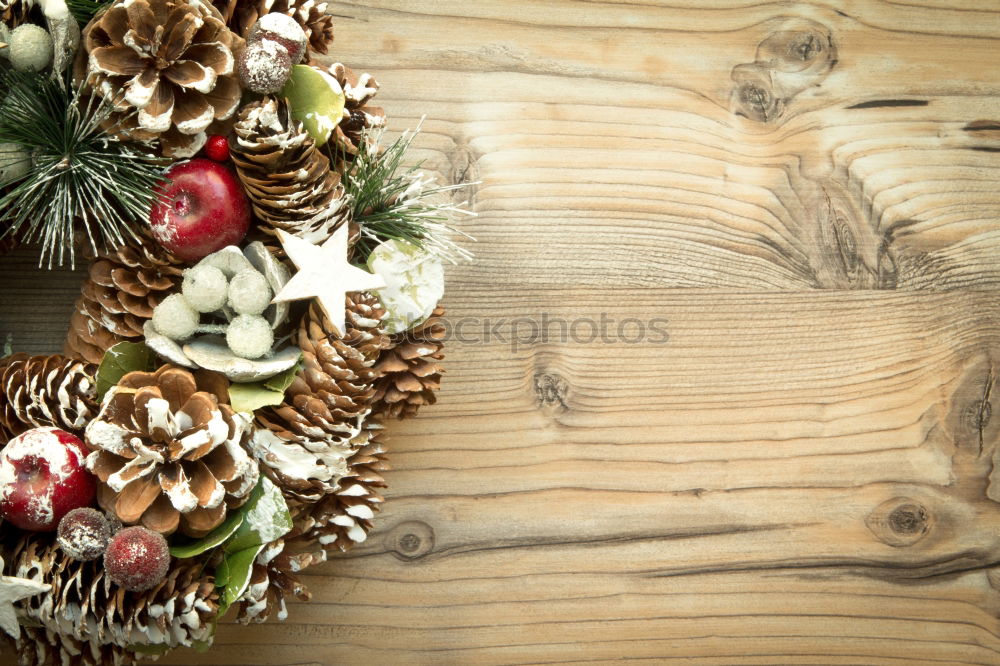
{"x":805,"y":196}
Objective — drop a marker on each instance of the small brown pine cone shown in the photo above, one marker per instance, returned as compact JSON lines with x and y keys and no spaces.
{"x":410,"y":369}
{"x":240,"y":15}
{"x":38,"y":391}
{"x":360,"y":120}
{"x":122,"y":288}
{"x":343,"y":518}
{"x":170,"y":451}
{"x":97,"y":620}
{"x":287,"y":178}
{"x":303,"y":444}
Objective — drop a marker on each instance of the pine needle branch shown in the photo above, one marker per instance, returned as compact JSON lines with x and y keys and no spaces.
{"x":395,"y":203}
{"x":79,"y":175}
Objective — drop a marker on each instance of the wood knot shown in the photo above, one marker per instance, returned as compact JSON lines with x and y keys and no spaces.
{"x":465,"y":171}
{"x":899,"y":522}
{"x":791,"y":59}
{"x":551,"y":390}
{"x":410,"y":540}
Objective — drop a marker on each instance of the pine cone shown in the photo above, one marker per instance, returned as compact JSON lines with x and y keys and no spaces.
{"x":359,"y":118}
{"x":287,"y":178}
{"x":38,"y":391}
{"x":118,"y":296}
{"x":241,"y":15}
{"x":339,"y":520}
{"x":343,"y":518}
{"x":14,"y":12}
{"x":171,"y":60}
{"x":410,"y":370}
{"x":168,"y":451}
{"x":303,"y":444}
{"x":272,"y":580}
{"x":92,"y":615}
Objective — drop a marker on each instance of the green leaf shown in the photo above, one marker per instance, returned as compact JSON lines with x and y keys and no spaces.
{"x":251,"y":396}
{"x":202,"y":646}
{"x":282,"y":380}
{"x":265,"y":519}
{"x":214,"y":538}
{"x":235,"y":570}
{"x":317,"y":101}
{"x":123,"y":358}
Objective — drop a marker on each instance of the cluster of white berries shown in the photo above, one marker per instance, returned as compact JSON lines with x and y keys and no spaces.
{"x":241,"y":296}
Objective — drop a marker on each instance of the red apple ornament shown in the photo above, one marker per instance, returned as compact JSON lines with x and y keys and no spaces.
{"x":43,"y":476}
{"x":199,"y":210}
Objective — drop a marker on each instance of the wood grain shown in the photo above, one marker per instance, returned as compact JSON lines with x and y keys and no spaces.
{"x":796,"y":465}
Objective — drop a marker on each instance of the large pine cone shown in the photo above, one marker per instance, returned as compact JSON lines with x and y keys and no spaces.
{"x":122,"y":288}
{"x":240,"y":15}
{"x":37,"y":391}
{"x":90,"y":614}
{"x":168,"y":451}
{"x":288,"y":180}
{"x":410,"y":369}
{"x":359,"y":118}
{"x":303,"y":444}
{"x":343,"y":518}
{"x":337,"y":521}
{"x":172,"y":61}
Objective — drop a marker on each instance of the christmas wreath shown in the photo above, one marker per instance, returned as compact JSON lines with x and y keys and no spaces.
{"x":262,"y":295}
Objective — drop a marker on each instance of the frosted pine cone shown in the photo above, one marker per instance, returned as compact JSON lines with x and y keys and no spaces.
{"x":123,"y":286}
{"x":94,"y":621}
{"x":411,"y":374}
{"x":288,"y":180}
{"x":170,"y":60}
{"x":343,"y":518}
{"x":37,"y":391}
{"x":168,"y":451}
{"x":304,"y":443}
{"x":240,"y":15}
{"x":359,"y":120}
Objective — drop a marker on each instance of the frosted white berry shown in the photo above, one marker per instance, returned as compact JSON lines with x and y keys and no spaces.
{"x":282,"y":29}
{"x":264,"y":67}
{"x":249,"y":336}
{"x":175,"y":318}
{"x":204,"y":288}
{"x":30,"y":48}
{"x":249,"y":292}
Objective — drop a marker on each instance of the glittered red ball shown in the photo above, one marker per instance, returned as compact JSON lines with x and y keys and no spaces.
{"x":137,"y":558}
{"x":217,"y":148}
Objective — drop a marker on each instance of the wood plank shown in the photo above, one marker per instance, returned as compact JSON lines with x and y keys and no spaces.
{"x":747,"y":513}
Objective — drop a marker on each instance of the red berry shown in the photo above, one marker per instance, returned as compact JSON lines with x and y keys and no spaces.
{"x":137,"y":558}
{"x":84,"y":534}
{"x":217,"y":148}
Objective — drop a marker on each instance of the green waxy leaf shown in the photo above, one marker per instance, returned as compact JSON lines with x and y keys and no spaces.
{"x":251,"y":396}
{"x":265,"y":518}
{"x":317,"y":101}
{"x":215,"y":538}
{"x":123,"y":358}
{"x":235,"y":570}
